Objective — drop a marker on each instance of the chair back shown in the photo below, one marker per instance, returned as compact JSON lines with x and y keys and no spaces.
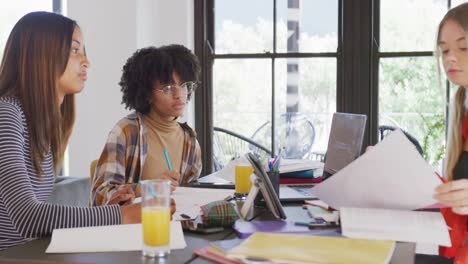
{"x":229,"y":145}
{"x":92,"y":170}
{"x":384,"y":130}
{"x":295,"y":133}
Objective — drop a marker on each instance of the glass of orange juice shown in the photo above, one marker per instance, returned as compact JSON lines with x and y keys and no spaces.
{"x":242,"y":180}
{"x":156,"y":217}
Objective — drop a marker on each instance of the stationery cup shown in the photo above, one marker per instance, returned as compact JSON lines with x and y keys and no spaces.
{"x":274,"y":179}
{"x":242,"y":180}
{"x":156,"y":217}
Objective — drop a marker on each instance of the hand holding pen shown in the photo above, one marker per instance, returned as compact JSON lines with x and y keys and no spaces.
{"x":173,"y":176}
{"x":124,"y":195}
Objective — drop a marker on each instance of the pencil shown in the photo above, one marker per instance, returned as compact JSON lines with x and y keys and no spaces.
{"x":168,"y":161}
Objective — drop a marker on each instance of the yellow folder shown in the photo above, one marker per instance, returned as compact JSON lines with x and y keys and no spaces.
{"x":291,"y":248}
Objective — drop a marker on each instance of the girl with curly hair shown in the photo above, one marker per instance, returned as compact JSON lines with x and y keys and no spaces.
{"x":157,"y":83}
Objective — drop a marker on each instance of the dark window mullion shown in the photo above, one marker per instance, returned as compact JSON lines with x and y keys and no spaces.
{"x":273,"y":123}
{"x":374,"y":74}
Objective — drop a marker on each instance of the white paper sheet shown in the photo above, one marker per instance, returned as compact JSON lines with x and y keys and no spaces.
{"x":228,"y":172}
{"x":189,"y":200}
{"x":391,"y":175}
{"x":212,"y":178}
{"x":398,"y":225}
{"x":107,"y":238}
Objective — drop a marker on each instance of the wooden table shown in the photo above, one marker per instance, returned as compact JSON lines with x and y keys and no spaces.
{"x":34,"y":251}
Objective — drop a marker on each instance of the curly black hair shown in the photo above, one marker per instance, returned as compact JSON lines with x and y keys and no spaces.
{"x":151,"y":64}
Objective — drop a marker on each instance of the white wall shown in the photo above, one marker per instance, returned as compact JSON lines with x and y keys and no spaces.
{"x":113,"y":30}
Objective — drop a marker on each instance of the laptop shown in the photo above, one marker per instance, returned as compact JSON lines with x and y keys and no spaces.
{"x":344,"y":146}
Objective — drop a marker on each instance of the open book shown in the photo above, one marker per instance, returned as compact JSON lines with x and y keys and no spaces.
{"x":376,"y":193}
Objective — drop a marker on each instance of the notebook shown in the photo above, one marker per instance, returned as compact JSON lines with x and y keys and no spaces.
{"x":344,"y":146}
{"x":295,"y":248}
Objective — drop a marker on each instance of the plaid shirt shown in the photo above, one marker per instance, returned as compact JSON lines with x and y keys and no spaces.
{"x":124,"y":155}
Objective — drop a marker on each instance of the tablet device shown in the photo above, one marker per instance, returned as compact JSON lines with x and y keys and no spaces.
{"x":261,"y":182}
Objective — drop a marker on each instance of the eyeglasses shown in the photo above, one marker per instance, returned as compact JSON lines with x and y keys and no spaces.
{"x":171,"y":89}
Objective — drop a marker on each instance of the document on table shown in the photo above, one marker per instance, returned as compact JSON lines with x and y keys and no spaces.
{"x":390,"y":175}
{"x":107,"y":238}
{"x":398,"y":225}
{"x":227,"y":174}
{"x":188,"y":200}
{"x":212,"y":178}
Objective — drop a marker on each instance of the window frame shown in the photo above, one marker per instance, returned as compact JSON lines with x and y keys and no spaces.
{"x":357,"y":55}
{"x":402,"y":54}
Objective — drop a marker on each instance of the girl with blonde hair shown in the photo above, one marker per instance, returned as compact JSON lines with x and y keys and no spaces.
{"x":452,"y":53}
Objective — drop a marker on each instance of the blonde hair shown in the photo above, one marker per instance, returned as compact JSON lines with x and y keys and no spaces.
{"x":459,"y":15}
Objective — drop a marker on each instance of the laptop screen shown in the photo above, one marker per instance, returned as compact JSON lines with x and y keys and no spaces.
{"x":345,"y":142}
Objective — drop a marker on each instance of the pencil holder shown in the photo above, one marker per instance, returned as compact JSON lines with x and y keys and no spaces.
{"x":274,"y":178}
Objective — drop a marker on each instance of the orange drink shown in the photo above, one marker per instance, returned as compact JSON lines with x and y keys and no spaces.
{"x":156,"y":217}
{"x":242,"y":174}
{"x":156,"y":226}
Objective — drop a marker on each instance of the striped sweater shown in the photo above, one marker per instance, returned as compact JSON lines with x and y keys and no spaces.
{"x":24,"y":213}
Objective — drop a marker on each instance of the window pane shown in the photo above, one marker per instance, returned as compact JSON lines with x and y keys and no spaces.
{"x":410,"y":98}
{"x":454,"y":3}
{"x":410,"y":25}
{"x":302,"y":119}
{"x":243,"y":26}
{"x":317,"y":21}
{"x":12,"y":11}
{"x":241,"y":103}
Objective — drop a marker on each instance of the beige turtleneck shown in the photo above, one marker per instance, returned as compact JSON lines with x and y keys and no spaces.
{"x":162,"y":133}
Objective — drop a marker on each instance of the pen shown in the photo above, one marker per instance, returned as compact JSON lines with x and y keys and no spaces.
{"x":318,"y":223}
{"x":228,"y":198}
{"x":301,"y":223}
{"x":168,"y":161}
{"x":185,"y":216}
{"x":323,"y":225}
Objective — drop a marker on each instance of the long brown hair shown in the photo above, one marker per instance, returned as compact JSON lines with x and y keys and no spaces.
{"x":459,"y":15}
{"x":36,"y":55}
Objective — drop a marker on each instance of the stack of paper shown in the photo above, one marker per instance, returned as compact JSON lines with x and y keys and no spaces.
{"x":288,"y":248}
{"x":288,"y":166}
{"x":293,"y":165}
{"x":400,"y":225}
{"x":392,"y":175}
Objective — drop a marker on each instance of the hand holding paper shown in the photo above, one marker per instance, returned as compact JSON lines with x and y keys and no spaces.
{"x":391,"y":175}
{"x":454,"y":194}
